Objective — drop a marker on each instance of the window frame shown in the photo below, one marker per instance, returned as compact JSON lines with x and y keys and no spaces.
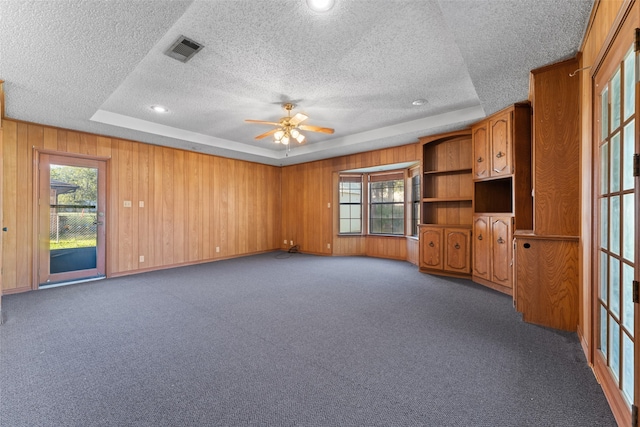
{"x":406,"y":175}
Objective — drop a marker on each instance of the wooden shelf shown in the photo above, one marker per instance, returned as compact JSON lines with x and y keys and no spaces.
{"x":445,"y":199}
{"x":448,"y":172}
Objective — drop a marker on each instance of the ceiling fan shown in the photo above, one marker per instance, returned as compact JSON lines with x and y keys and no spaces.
{"x":288,"y":127}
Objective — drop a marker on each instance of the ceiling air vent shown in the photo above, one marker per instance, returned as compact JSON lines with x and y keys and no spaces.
{"x":183,"y":49}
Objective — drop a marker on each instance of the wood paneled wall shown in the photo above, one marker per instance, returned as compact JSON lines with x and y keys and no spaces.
{"x":193,"y":202}
{"x":309,"y":195}
{"x":602,"y":19}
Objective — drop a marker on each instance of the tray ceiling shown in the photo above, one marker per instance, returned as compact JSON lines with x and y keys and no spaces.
{"x":98,"y":66}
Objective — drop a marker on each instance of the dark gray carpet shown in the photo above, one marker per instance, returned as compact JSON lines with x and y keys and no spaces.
{"x":301,"y":341}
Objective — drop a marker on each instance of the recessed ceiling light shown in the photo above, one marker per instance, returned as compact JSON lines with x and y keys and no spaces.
{"x":419,"y":102}
{"x":320,"y":5}
{"x":159,"y":109}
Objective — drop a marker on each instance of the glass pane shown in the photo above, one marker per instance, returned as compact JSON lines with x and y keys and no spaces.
{"x":398,"y":226}
{"x":604,"y":223}
{"x":398,"y":211}
{"x":344,"y":211}
{"x":627,"y":297}
{"x":614,"y":221}
{"x":627,"y":160}
{"x":356,"y":226}
{"x":344,"y":226}
{"x":615,"y":100}
{"x":73,"y":233}
{"x":356,"y":192}
{"x":604,"y":168}
{"x":603,"y":332}
{"x":614,"y":286}
{"x":628,"y":218}
{"x":356,"y":212}
{"x":376,"y":226}
{"x":614,"y":348}
{"x":604,"y":277}
{"x":615,"y":163}
{"x":629,"y":84}
{"x":604,"y":115}
{"x":627,"y":368}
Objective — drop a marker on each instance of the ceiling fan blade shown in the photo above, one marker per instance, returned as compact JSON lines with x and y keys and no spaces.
{"x":316,"y":129}
{"x":262,"y":122}
{"x":298,"y":118}
{"x":271,"y":132}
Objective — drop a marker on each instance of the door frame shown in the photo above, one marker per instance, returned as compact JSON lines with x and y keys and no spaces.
{"x":614,"y":49}
{"x":71,"y":159}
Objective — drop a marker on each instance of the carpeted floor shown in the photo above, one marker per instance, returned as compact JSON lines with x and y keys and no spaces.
{"x":301,"y":341}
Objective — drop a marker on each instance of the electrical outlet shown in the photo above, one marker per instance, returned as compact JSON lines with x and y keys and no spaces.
{"x":328,"y":245}
{"x":127,"y":203}
{"x":291,"y":243}
{"x":217,"y":248}
{"x":141,"y":258}
{"x":285,"y":241}
{"x":141,"y":204}
{"x":329,"y":205}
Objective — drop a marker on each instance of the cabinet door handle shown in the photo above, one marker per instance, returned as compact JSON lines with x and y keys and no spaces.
{"x":480,"y":160}
{"x":457,"y":246}
{"x":480,"y":237}
{"x":500,"y":154}
{"x":500,"y":240}
{"x":431,"y":244}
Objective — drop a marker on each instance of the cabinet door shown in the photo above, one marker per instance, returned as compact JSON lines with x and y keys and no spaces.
{"x":501,"y":251}
{"x":457,"y":250}
{"x":431,"y":248}
{"x":501,"y":145}
{"x":481,"y":247}
{"x":480,"y":151}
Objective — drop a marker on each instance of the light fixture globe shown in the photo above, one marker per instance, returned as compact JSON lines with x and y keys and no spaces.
{"x":320,"y":5}
{"x":278,"y":135}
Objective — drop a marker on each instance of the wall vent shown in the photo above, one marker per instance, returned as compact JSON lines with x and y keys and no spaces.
{"x":183,"y":49}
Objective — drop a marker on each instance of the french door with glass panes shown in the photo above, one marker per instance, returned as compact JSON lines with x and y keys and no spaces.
{"x":615,"y":256}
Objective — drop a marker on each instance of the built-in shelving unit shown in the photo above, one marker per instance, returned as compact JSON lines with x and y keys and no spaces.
{"x":447,"y":204}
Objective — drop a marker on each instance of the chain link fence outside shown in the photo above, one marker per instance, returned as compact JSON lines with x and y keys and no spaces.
{"x":72,"y":229}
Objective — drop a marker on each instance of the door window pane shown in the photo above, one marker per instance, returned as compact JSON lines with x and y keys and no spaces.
{"x":628,"y":222}
{"x":604,"y":223}
{"x":604,"y":277}
{"x":604,"y":115}
{"x":615,"y":163}
{"x":604,"y":168}
{"x":627,"y":297}
{"x":603,"y":332}
{"x":627,"y":159}
{"x":614,"y":347}
{"x":629,"y":84}
{"x":615,"y":101}
{"x":614,"y":286}
{"x":627,"y":369}
{"x":614,"y":225}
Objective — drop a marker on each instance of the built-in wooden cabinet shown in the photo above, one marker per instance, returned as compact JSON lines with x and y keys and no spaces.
{"x":447,"y":204}
{"x":445,"y":249}
{"x":547,"y":280}
{"x":492,"y":236}
{"x":502,"y":192}
{"x":546,"y":266}
{"x":493,"y":145}
{"x":457,"y":257}
{"x":431,"y":247}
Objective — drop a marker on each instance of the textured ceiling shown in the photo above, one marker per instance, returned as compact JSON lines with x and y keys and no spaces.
{"x":98,"y":66}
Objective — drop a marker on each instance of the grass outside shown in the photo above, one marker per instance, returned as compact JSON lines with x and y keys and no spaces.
{"x":73,"y":242}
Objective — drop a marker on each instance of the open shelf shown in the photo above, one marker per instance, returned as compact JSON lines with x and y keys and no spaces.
{"x":448,"y":172}
{"x":495,"y":196}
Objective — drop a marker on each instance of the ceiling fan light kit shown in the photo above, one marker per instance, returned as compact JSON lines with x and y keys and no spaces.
{"x":288,"y":127}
